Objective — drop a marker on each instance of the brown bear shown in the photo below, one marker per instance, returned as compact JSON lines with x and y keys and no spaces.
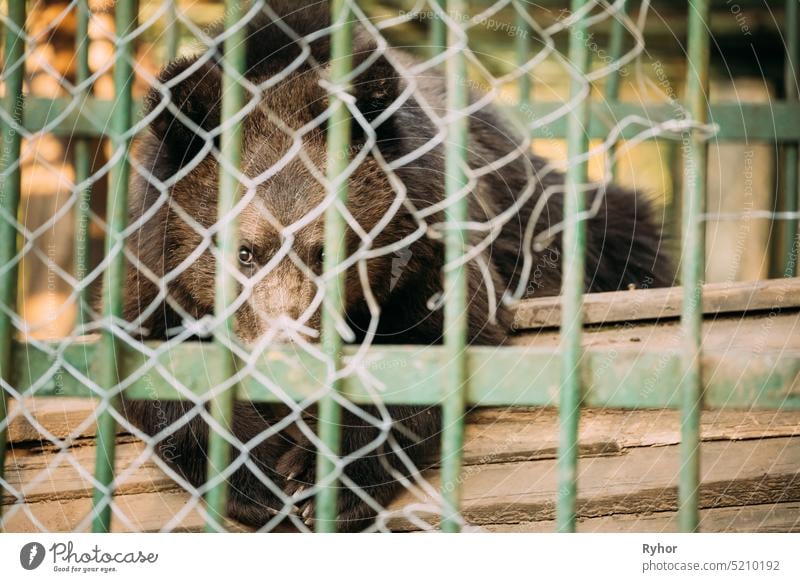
{"x":404,"y":113}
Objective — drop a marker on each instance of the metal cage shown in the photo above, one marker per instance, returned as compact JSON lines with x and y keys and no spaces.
{"x":453,"y":374}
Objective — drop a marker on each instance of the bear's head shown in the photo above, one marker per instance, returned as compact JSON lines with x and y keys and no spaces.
{"x":283,"y":198}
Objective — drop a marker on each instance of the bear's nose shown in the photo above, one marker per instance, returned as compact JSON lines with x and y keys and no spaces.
{"x":281,"y":336}
{"x":284,"y":330}
{"x":279,"y":294}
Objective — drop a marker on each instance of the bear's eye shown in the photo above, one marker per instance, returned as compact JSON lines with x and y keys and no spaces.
{"x":317,"y":257}
{"x":246,"y":256}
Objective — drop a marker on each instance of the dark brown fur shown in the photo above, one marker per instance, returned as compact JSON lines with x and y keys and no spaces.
{"x":623,"y":248}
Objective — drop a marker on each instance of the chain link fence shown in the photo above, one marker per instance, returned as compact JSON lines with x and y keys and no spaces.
{"x":309,"y":223}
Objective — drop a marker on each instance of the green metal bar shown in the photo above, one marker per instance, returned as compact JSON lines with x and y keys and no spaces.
{"x":114,"y":280}
{"x":752,"y":122}
{"x":674,"y":217}
{"x":438,"y":31}
{"x":221,"y":406}
{"x":574,"y":273}
{"x":791,"y":191}
{"x":693,"y":265}
{"x":791,"y":194}
{"x":616,"y":43}
{"x":778,"y":121}
{"x":522,"y":44}
{"x":13,"y":51}
{"x":173,"y":30}
{"x":82,"y":168}
{"x":335,"y":253}
{"x":511,"y":376}
{"x":456,"y":323}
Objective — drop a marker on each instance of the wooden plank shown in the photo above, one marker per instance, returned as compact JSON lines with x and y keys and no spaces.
{"x":40,"y":474}
{"x":33,"y":418}
{"x":494,"y":434}
{"x":773,"y":517}
{"x":503,"y":435}
{"x":629,"y":464}
{"x":143,"y":512}
{"x":748,"y":336}
{"x":640,"y":480}
{"x":661,"y":304}
{"x":138,"y":512}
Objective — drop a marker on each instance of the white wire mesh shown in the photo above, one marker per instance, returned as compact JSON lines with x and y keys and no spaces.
{"x":283,"y":174}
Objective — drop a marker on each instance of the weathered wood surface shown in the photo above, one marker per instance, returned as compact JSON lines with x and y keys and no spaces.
{"x":61,"y":418}
{"x":510,"y":435}
{"x":46,"y":473}
{"x":771,"y":517}
{"x":664,"y":304}
{"x":637,"y":480}
{"x":750,"y":336}
{"x":628,"y":473}
{"x":143,"y":512}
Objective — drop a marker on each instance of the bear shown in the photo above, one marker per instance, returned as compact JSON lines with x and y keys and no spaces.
{"x":398,"y":126}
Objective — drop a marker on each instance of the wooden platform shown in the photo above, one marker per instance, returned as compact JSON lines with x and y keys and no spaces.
{"x":628,"y":473}
{"x":629,"y":460}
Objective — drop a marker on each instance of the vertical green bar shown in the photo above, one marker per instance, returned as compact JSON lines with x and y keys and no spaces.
{"x":13,"y":51}
{"x":522,"y":44}
{"x":615,"y":47}
{"x":693,"y":261}
{"x":572,"y":286}
{"x":790,"y":182}
{"x":335,"y":253}
{"x":455,"y":281}
{"x":114,"y":279}
{"x":438,"y":31}
{"x":674,"y":216}
{"x":221,"y":406}
{"x":82,"y":167}
{"x":173,"y":30}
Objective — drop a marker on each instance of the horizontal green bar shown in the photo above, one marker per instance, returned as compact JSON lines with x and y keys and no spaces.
{"x":775,"y":121}
{"x":84,"y":117}
{"x":509,"y":376}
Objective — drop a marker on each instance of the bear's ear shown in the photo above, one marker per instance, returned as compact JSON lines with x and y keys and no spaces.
{"x":375,"y":90}
{"x":195,"y":90}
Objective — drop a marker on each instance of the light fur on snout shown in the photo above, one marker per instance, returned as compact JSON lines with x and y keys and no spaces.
{"x":280,"y":301}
